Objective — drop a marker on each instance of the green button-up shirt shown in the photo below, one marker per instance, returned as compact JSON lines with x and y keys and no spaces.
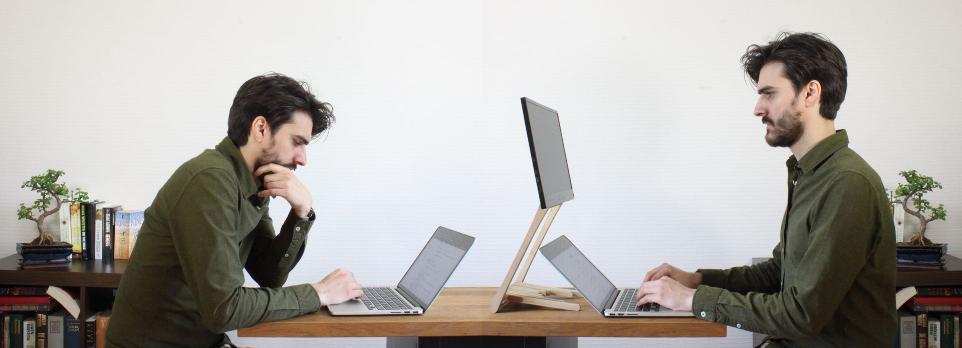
{"x":184,"y":283}
{"x":831,"y":280}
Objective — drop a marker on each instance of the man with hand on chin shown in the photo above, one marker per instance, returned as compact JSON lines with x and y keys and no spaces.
{"x":831,"y":280}
{"x":184,"y":283}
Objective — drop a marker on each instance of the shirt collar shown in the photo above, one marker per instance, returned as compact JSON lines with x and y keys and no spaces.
{"x":247,"y":185}
{"x":821,"y":152}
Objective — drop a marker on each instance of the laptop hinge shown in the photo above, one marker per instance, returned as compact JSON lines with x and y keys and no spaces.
{"x":611,"y":299}
{"x":408,"y":298}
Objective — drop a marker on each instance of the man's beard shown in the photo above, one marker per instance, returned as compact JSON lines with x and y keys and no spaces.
{"x":269,"y":156}
{"x":786,"y":131}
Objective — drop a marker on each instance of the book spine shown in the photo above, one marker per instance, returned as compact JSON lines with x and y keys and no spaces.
{"x":940,"y":292}
{"x":101,"y":331}
{"x":75,"y":228}
{"x":29,"y":333}
{"x":5,"y":300}
{"x":90,"y":333}
{"x":923,"y":330}
{"x":108,"y":245}
{"x":929,"y":308}
{"x":16,"y":330}
{"x":24,"y":307}
{"x":71,"y":332}
{"x":99,"y":233}
{"x":22,"y":291}
{"x":120,"y":229}
{"x":84,"y":245}
{"x":935,"y":332}
{"x":55,"y":331}
{"x":41,"y":330}
{"x":941,"y":300}
{"x":136,"y":220}
{"x":65,"y":222}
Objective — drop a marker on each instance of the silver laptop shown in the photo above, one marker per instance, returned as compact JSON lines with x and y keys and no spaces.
{"x":421,"y":284}
{"x":596,"y":288}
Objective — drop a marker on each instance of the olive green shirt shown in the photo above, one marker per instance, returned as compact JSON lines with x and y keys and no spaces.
{"x":184,"y":283}
{"x":836,"y":258}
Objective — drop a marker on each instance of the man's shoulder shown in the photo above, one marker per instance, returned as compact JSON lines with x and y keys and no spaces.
{"x":848,"y":166}
{"x":209,"y":164}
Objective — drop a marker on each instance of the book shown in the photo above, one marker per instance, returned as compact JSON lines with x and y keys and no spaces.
{"x":41,"y":330}
{"x":90,"y":332}
{"x":85,"y":243}
{"x":29,"y":333}
{"x":24,"y":307}
{"x":71,"y":332}
{"x":121,"y":228}
{"x":16,"y":330}
{"x":55,"y":329}
{"x":939,"y":291}
{"x":903,"y":295}
{"x":22,"y":291}
{"x":64,"y":221}
{"x":75,"y":228}
{"x":4,"y":300}
{"x":102,"y":321}
{"x":907,"y":324}
{"x":105,"y":222}
{"x":922,"y":330}
{"x":937,"y":308}
{"x":947,"y":330}
{"x":66,"y":299}
{"x":935,"y":332}
{"x":136,"y":220}
{"x":937,"y":300}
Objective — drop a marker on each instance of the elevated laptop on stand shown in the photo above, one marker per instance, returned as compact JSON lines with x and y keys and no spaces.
{"x":420,"y":285}
{"x":595,"y":287}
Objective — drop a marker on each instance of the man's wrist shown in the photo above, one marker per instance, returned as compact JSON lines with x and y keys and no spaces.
{"x":305,"y":215}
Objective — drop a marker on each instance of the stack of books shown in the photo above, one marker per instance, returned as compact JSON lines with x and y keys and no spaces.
{"x":44,"y":256}
{"x":32,"y":317}
{"x":919,"y":257}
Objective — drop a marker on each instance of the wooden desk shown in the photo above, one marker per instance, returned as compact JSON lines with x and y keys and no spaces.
{"x":464,"y":312}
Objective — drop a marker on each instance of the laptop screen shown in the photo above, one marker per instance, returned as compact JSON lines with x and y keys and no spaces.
{"x":434,"y":265}
{"x":580,"y":272}
{"x":547,"y":153}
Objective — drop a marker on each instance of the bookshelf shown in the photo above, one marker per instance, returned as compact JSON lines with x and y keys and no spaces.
{"x":93,"y":280}
{"x":950,"y":276}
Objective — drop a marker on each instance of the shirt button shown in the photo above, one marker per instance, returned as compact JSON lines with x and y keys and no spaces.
{"x":287,"y":255}
{"x":738,"y":325}
{"x":702,"y":314}
{"x":298,"y":228}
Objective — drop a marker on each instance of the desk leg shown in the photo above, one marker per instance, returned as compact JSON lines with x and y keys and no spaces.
{"x":482,"y":341}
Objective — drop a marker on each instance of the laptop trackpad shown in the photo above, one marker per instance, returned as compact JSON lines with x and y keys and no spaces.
{"x":351,"y":306}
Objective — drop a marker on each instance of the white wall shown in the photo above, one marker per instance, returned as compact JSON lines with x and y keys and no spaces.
{"x":667,"y":162}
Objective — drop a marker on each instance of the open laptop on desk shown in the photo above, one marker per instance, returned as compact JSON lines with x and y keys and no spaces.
{"x":420,"y":285}
{"x":595,"y":287}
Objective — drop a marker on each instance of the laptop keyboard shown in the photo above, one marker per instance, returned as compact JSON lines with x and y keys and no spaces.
{"x":383,"y":299}
{"x":627,"y":303}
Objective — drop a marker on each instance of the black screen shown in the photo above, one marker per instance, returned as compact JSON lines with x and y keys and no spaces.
{"x":547,"y":153}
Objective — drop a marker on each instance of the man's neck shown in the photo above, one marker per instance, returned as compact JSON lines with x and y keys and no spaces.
{"x":815,"y":131}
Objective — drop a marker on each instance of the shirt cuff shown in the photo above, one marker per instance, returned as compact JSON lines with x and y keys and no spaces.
{"x":704,"y":303}
{"x":307,"y":299}
{"x":713,"y":277}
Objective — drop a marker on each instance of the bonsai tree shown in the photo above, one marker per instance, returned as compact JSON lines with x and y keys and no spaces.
{"x":52,"y":195}
{"x":916,"y":186}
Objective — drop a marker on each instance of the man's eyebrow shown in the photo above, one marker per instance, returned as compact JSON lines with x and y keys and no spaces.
{"x":301,"y":139}
{"x":766,"y":89}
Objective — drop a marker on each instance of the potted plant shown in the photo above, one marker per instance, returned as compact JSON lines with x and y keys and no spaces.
{"x":914,"y":190}
{"x":52,"y":195}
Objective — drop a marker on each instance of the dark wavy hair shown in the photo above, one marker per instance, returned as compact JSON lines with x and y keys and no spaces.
{"x":807,"y":57}
{"x":276,"y":97}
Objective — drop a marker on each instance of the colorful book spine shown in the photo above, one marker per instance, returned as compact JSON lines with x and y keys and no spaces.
{"x":937,"y":308}
{"x":75,"y":228}
{"x":29,"y":333}
{"x":923,"y":330}
{"x":24,"y":308}
{"x":42,"y":330}
{"x":939,"y":291}
{"x":121,"y":227}
{"x":946,"y":300}
{"x":136,"y":220}
{"x":85,"y":241}
{"x":99,"y":232}
{"x":109,"y":232}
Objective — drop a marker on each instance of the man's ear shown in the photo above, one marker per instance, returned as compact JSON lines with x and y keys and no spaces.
{"x":260,"y":129}
{"x":812,"y":93}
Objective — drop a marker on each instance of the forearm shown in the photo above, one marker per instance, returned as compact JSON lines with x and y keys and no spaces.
{"x":249,"y":306}
{"x":276,"y":257}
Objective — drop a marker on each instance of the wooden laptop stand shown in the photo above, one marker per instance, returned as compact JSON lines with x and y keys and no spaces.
{"x":521,"y":292}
